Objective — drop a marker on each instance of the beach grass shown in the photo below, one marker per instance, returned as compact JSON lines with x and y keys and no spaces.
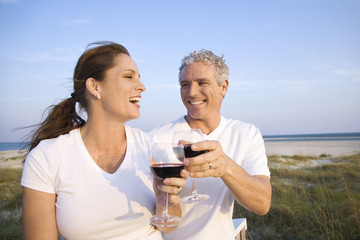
{"x":314,"y":197}
{"x":10,"y":204}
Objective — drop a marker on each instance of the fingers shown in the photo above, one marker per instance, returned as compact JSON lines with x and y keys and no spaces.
{"x":207,"y":169}
{"x":172,"y":185}
{"x":208,"y":145}
{"x":184,"y":174}
{"x":212,"y":163}
{"x":211,"y":148}
{"x":202,"y":174}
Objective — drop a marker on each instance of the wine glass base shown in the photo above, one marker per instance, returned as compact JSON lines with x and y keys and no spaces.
{"x":165,"y":221}
{"x":195,"y":198}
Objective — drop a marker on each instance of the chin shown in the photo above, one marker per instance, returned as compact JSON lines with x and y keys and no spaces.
{"x":133,"y":117}
{"x":136,"y":117}
{"x":196,"y":116}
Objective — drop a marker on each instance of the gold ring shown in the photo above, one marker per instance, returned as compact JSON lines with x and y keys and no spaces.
{"x":179,"y":189}
{"x":209,"y":165}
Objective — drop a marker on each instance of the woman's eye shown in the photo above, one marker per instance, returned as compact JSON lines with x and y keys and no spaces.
{"x":128,"y":76}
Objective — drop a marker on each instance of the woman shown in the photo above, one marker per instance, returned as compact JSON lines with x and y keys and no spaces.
{"x":91,"y":180}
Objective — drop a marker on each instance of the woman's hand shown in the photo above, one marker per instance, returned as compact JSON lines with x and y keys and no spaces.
{"x":172,"y":186}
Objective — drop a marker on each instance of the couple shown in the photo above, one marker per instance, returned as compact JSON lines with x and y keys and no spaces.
{"x":91,"y":180}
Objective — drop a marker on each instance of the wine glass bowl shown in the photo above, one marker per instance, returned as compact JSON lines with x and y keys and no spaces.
{"x":166,"y":161}
{"x":187,"y":137}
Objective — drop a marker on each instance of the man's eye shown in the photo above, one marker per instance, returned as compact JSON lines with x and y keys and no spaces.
{"x":128,"y":76}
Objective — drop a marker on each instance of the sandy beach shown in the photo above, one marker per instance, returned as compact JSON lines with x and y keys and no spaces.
{"x":312,"y":148}
{"x":14,"y":158}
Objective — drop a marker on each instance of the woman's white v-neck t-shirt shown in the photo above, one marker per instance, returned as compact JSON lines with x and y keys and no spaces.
{"x":91,"y":203}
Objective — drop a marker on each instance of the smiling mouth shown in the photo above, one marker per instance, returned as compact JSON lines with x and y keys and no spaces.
{"x":134,"y":99}
{"x":196,"y":102}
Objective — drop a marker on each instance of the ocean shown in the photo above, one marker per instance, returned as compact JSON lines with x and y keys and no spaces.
{"x":4,"y":146}
{"x":314,"y":137}
{"x":295,"y":137}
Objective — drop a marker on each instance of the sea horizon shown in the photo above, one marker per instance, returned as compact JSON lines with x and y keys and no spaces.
{"x":349,"y":136}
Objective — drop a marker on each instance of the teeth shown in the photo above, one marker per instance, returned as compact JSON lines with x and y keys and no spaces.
{"x":196,"y":103}
{"x":135,"y":99}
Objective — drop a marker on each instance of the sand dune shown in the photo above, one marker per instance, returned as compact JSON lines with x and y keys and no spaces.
{"x":313,"y":148}
{"x":12,"y":158}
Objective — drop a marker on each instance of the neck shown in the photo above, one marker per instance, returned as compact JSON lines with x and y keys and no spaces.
{"x":103,"y":138}
{"x":106,"y":146}
{"x":206,"y":126}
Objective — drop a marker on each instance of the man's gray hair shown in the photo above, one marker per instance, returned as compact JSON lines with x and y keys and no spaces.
{"x":209,"y":58}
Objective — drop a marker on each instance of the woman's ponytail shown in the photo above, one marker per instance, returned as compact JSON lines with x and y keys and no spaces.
{"x":62,"y":118}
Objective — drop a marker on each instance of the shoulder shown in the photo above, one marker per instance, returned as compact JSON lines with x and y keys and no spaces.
{"x":239,"y":126}
{"x":137,"y":136}
{"x":47,"y":157}
{"x":168,"y":126}
{"x":55,"y":144}
{"x":165,"y":131}
{"x":136,"y":133}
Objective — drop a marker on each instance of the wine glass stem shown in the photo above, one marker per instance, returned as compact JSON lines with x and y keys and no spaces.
{"x":165,"y":212}
{"x":193,"y":186}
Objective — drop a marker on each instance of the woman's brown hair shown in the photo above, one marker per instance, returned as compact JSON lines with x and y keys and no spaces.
{"x":62,"y":118}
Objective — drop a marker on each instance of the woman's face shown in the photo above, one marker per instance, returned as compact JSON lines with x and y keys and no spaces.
{"x":121,"y":90}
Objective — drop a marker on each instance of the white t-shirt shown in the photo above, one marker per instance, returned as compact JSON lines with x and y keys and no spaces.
{"x":91,"y":203}
{"x":212,"y":219}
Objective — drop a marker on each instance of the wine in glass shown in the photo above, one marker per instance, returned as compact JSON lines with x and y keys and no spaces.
{"x":189,"y":137}
{"x":166,"y":161}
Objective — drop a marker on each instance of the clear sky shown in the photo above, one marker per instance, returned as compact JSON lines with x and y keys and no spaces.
{"x":294,"y":64}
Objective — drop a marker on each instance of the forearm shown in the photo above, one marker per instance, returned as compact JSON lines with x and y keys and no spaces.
{"x":252,"y":192}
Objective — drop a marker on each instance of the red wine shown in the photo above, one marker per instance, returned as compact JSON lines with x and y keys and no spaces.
{"x":190,"y":153}
{"x":167,"y":170}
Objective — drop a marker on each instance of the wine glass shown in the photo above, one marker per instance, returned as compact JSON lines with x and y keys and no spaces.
{"x":166,"y":161}
{"x":191,"y":136}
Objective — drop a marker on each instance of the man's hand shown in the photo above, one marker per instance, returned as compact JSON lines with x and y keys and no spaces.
{"x":212,"y":163}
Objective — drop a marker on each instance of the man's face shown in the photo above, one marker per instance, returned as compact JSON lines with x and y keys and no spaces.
{"x":200,"y":92}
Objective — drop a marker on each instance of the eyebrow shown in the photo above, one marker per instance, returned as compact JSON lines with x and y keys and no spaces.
{"x":196,"y":80}
{"x":202,"y":79}
{"x":130,"y":70}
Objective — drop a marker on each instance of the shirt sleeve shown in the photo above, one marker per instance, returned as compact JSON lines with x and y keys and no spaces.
{"x":255,"y":161}
{"x":36,"y":172}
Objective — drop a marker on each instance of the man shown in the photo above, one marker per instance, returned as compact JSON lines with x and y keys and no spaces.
{"x":235,"y":164}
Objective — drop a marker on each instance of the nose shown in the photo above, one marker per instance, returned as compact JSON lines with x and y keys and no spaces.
{"x":141,"y":87}
{"x":193,"y":89}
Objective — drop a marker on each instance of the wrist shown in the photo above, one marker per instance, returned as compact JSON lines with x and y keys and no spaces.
{"x":229,"y":169}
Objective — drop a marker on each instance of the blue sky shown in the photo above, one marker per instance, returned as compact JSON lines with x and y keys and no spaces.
{"x":294,"y":64}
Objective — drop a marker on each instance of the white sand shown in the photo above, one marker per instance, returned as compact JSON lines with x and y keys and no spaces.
{"x":313,"y":148}
{"x":14,"y":158}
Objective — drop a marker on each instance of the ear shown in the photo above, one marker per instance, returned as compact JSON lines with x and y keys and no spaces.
{"x":93,"y":86}
{"x":224,"y":87}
